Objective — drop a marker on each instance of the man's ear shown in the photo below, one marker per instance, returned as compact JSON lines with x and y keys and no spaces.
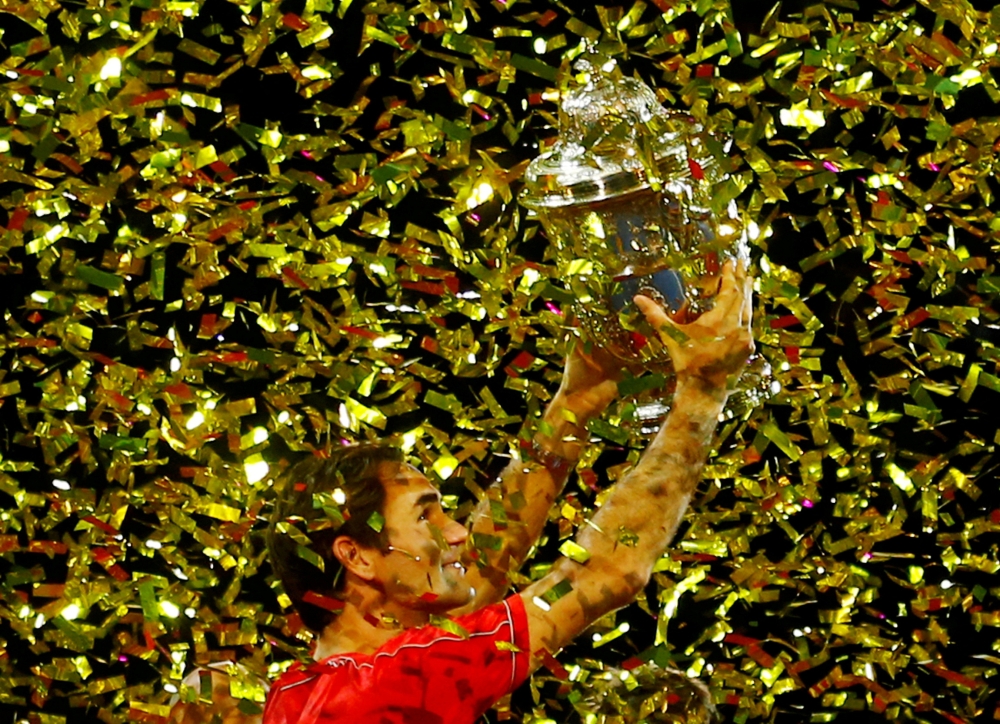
{"x":355,"y":558}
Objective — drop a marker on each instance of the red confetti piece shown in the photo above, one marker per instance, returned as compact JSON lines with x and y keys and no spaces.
{"x":49,"y":590}
{"x":294,"y":278}
{"x":68,"y":162}
{"x":712,"y":265}
{"x":550,"y":663}
{"x":17,"y":220}
{"x":103,"y":359}
{"x":366,"y":333}
{"x":223,"y":169}
{"x":638,"y":340}
{"x":293,"y":21}
{"x":230,"y":357}
{"x":157,"y":95}
{"x":179,"y":390}
{"x":841,"y":101}
{"x":788,"y":320}
{"x":954,"y":676}
{"x":912,"y":319}
{"x":207,"y":327}
{"x":97,"y":523}
{"x":330,"y":604}
{"x":223,"y":229}
{"x":426,"y":287}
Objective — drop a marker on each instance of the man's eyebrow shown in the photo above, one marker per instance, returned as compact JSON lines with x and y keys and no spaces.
{"x":427,"y":498}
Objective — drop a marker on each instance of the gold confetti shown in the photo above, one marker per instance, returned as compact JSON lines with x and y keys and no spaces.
{"x":227,"y":247}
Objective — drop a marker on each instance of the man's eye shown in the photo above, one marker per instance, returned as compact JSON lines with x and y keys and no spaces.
{"x":424,"y":515}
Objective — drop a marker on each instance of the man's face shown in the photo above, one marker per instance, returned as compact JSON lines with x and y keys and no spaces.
{"x":421,"y":569}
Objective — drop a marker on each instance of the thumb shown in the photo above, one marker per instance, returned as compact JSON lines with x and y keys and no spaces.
{"x":654,"y":313}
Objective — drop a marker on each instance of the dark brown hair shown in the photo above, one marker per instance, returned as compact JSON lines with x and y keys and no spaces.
{"x":307,"y":511}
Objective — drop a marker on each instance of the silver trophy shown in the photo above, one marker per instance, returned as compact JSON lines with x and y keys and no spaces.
{"x":630,"y":198}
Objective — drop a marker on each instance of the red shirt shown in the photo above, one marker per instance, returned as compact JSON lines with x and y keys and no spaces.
{"x":423,"y":676}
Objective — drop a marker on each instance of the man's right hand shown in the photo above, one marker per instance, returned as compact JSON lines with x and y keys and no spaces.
{"x":715,"y":346}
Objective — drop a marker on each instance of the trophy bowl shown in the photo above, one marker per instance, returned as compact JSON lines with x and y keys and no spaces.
{"x":628,"y":198}
{"x":631,"y":197}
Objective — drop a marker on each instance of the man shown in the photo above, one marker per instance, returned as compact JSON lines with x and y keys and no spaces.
{"x":413,"y":621}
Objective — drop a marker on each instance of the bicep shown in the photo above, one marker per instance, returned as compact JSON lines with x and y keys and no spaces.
{"x":570,"y":598}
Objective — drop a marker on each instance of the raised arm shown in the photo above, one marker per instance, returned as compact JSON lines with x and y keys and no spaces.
{"x":636,"y":523}
{"x":527,"y":488}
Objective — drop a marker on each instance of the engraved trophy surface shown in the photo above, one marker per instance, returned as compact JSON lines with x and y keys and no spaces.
{"x":629,"y":196}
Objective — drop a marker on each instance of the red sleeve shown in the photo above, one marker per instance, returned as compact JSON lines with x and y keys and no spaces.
{"x":509,"y":621}
{"x":465,"y":676}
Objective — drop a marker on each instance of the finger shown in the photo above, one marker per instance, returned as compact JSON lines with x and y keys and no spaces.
{"x":747,"y":316}
{"x":730,"y":289}
{"x":654,"y":313}
{"x":658,"y":319}
{"x":729,"y":296}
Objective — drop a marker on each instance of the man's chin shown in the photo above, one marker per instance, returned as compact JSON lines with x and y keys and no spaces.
{"x":449,"y":601}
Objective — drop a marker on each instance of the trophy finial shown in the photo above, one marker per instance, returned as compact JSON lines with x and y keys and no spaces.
{"x":614,"y":138}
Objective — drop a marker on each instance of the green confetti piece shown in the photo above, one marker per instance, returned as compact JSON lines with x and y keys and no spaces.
{"x":44,"y":148}
{"x":157,"y":275}
{"x":375,"y":521}
{"x":485,"y":541}
{"x":99,"y":278}
{"x":636,"y":385}
{"x":147,"y":598}
{"x":608,"y":431}
{"x":557,"y":591}
{"x":136,"y":446}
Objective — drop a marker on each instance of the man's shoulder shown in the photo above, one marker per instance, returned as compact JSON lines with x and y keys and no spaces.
{"x":495,"y":620}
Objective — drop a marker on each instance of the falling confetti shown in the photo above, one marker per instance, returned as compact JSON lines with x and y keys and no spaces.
{"x":234,"y":234}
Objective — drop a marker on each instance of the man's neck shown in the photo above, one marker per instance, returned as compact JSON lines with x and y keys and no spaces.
{"x":364,"y":625}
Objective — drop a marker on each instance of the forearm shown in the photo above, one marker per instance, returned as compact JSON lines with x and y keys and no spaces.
{"x":640,"y":517}
{"x":510,"y":519}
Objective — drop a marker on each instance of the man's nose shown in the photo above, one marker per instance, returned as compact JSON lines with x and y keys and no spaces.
{"x":455,"y":533}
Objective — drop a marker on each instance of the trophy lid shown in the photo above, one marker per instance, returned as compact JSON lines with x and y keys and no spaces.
{"x":614,"y":138}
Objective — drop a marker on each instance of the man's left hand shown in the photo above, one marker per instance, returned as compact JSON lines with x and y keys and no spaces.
{"x":590,"y":379}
